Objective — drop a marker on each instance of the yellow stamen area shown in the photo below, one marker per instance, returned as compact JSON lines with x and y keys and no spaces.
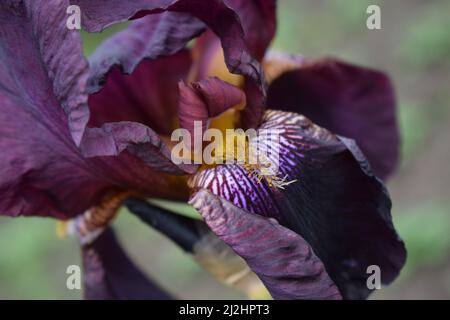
{"x":238,"y":149}
{"x":236,"y":145}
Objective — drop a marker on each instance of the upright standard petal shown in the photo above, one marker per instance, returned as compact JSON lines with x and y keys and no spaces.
{"x":351,"y":101}
{"x":149,"y":95}
{"x":150,"y":37}
{"x":282,"y":259}
{"x":109,"y":274}
{"x":219,"y":17}
{"x":335,"y":203}
{"x":259,"y":21}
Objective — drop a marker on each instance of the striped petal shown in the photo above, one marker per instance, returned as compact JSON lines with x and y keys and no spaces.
{"x":335,"y":203}
{"x":352,"y":101}
{"x":282,"y":259}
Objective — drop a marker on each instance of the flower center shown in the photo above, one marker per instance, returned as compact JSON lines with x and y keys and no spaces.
{"x":235,"y":146}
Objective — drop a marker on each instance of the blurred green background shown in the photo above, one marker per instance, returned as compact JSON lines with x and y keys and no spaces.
{"x":414,"y":48}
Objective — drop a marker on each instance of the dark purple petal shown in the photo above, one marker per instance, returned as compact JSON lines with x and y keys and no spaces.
{"x":109,"y":274}
{"x":351,"y":101}
{"x":206,"y":99}
{"x":258,"y":19}
{"x":150,"y":37}
{"x":336,"y":204}
{"x":43,"y":110}
{"x":208,"y":61}
{"x":37,"y":65}
{"x":220,"y":18}
{"x":218,"y":95}
{"x":149,"y":95}
{"x":43,"y":173}
{"x":282,"y":259}
{"x":195,"y":237}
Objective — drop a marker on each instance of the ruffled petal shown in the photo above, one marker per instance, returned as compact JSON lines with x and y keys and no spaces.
{"x":109,"y":274}
{"x":150,"y":37}
{"x":351,"y":101}
{"x":282,"y":259}
{"x":334,"y":201}
{"x":220,"y":18}
{"x":40,"y":66}
{"x":43,"y":114}
{"x":195,"y":237}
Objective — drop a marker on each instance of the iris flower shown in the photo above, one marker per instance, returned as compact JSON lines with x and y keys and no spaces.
{"x":78,"y":137}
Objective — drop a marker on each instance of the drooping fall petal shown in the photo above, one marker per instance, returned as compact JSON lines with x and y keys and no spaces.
{"x":351,"y":101}
{"x":46,"y":70}
{"x":282,"y":259}
{"x":195,"y":237}
{"x":43,"y":113}
{"x":334,"y":201}
{"x":109,"y":274}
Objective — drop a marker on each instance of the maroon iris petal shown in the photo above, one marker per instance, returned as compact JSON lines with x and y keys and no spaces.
{"x":149,"y":95}
{"x":282,"y":259}
{"x":258,"y":19}
{"x":110,"y":274}
{"x":355,"y":102}
{"x":36,"y":65}
{"x":43,"y":113}
{"x":206,"y":99}
{"x":205,"y":52}
{"x":150,"y":37}
{"x":336,"y":204}
{"x":220,"y":18}
{"x":218,"y":95}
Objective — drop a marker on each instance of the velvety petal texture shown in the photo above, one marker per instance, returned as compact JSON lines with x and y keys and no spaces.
{"x":351,"y":101}
{"x":195,"y":237}
{"x":43,"y":113}
{"x":149,"y":95}
{"x":208,"y":61}
{"x":109,"y":274}
{"x":179,"y":24}
{"x":259,"y":21}
{"x":220,"y":18}
{"x":281,"y":258}
{"x":150,"y":37}
{"x":206,"y":99}
{"x":36,"y":64}
{"x":334,"y":201}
